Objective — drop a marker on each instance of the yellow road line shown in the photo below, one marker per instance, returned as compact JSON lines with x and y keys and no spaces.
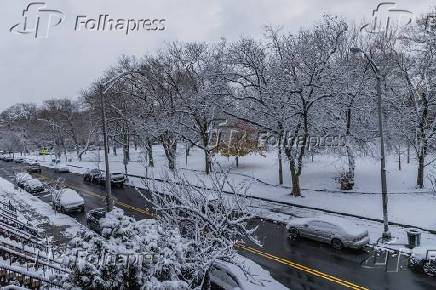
{"x":303,"y":268}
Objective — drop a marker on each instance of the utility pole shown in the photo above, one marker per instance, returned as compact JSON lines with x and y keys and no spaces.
{"x":386,"y":233}
{"x":109,"y":200}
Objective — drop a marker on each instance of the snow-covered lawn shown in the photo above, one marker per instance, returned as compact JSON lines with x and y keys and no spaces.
{"x":407,"y":205}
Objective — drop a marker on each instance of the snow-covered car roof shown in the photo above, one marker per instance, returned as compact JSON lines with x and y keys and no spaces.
{"x":117,"y":173}
{"x":347,"y":226}
{"x":231,"y":274}
{"x":424,"y":252}
{"x":70,"y":197}
{"x":34,"y":183}
{"x":22,"y":176}
{"x":62,"y":166}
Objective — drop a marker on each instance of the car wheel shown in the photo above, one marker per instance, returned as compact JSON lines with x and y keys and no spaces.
{"x":337,"y":244}
{"x":293,"y":234}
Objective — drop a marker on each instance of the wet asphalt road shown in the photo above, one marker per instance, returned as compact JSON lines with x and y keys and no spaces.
{"x":301,"y":264}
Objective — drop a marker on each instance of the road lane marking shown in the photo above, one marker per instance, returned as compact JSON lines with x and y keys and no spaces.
{"x":142,"y":211}
{"x":303,"y":268}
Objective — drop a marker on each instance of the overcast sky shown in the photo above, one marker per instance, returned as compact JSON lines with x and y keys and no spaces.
{"x":60,"y":65}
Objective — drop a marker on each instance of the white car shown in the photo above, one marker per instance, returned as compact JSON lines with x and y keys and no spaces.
{"x":424,"y":259}
{"x":19,"y":160}
{"x":33,"y":186}
{"x":21,"y":178}
{"x":62,"y":168}
{"x":67,"y":200}
{"x":337,"y":232}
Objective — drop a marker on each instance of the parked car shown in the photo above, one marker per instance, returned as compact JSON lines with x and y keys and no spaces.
{"x":21,"y":178}
{"x":99,"y":177}
{"x":93,"y":219}
{"x":337,"y":232}
{"x":424,"y":259}
{"x":34,"y":167}
{"x":19,"y":160}
{"x":62,"y":168}
{"x":67,"y":200}
{"x":92,"y":175}
{"x":117,"y":179}
{"x":33,"y":186}
{"x":8,"y":159}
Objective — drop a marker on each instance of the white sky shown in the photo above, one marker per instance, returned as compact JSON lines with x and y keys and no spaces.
{"x":32,"y":70}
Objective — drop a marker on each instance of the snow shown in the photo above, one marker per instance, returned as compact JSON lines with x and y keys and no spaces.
{"x":407,"y":205}
{"x":22,"y":177}
{"x":70,"y":198}
{"x":424,"y":253}
{"x":8,"y":191}
{"x":34,"y":183}
{"x":346,"y":225}
{"x":320,"y":189}
{"x":256,"y":277}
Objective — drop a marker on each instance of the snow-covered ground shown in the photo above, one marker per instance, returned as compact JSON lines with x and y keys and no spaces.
{"x":407,"y":205}
{"x":42,"y":209}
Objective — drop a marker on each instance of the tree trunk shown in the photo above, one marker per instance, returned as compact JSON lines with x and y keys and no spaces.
{"x":408,"y":153}
{"x":187,"y":149}
{"x":399,"y":159}
{"x":420,"y":178}
{"x":237,"y":161}
{"x":207,"y":162}
{"x":422,"y":142}
{"x":296,"y":191}
{"x":149,"y":148}
{"x":280,"y":159}
{"x":170,"y":148}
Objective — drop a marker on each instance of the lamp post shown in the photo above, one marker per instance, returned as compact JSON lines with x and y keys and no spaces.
{"x":108,"y":197}
{"x":355,"y":50}
{"x":103,"y":88}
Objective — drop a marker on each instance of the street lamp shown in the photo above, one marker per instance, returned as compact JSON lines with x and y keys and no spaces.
{"x":102,"y":90}
{"x":108,"y":198}
{"x":355,"y":50}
